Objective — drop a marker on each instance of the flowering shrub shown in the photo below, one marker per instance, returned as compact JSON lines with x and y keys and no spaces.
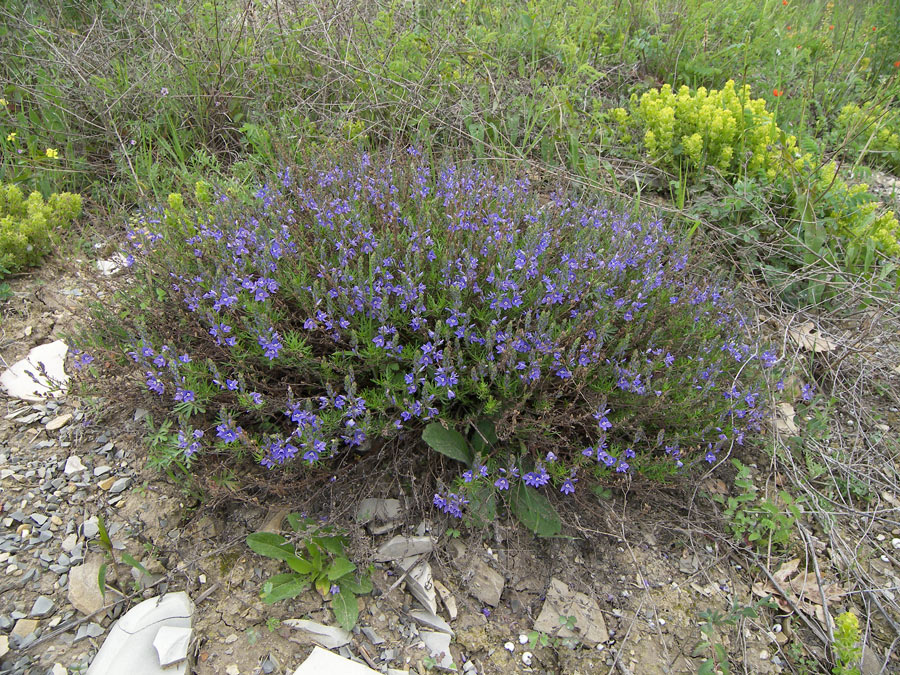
{"x":376,"y":300}
{"x":26,"y":225}
{"x":687,"y":131}
{"x":871,"y":129}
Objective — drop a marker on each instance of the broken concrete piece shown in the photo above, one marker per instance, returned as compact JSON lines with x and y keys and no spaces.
{"x":171,"y":644}
{"x":330,"y":637}
{"x":322,"y":661}
{"x":83,"y":591}
{"x":486,"y":584}
{"x":403,"y":547}
{"x":447,"y":598}
{"x":39,"y":375}
{"x":432,"y":621}
{"x":129,"y":648}
{"x":439,"y":646}
{"x":420,"y":583}
{"x":590,"y":626}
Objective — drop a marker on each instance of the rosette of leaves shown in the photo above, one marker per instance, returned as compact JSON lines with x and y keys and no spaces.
{"x":319,"y":561}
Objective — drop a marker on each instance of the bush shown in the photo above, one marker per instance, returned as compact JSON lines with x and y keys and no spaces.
{"x":871,"y":130}
{"x":688,"y":131}
{"x":367,"y":301}
{"x":27,"y":225}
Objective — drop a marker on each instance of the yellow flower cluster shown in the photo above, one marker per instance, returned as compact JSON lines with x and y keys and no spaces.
{"x":725,"y":128}
{"x":27,"y":224}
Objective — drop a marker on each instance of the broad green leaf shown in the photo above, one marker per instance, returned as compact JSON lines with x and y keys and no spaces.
{"x":300,"y":565}
{"x":345,"y":609}
{"x":331,"y":544}
{"x":285,"y":591}
{"x":447,"y":442}
{"x":357,"y":586}
{"x":534,"y":511}
{"x":323,"y":585}
{"x":339,"y":568}
{"x":484,"y":435}
{"x":298,"y":522}
{"x":270,"y":545}
{"x":482,"y":509}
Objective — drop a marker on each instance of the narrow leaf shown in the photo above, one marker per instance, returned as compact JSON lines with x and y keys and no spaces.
{"x":101,"y":580}
{"x":285,"y":591}
{"x":126,"y":558}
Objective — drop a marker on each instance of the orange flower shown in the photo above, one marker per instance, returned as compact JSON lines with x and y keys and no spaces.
{"x":874,"y":29}
{"x":896,"y":64}
{"x":777,"y":92}
{"x":831,"y":27}
{"x":784,"y":2}
{"x":788,"y":27}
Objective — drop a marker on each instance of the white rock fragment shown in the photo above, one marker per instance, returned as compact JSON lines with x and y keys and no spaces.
{"x":510,"y":647}
{"x":113,"y":265}
{"x":523,"y":639}
{"x":447,"y":598}
{"x":527,"y":658}
{"x":171,"y":644}
{"x":439,"y":646}
{"x":323,"y":662}
{"x":420,"y":583}
{"x":431,"y":620}
{"x":590,"y":626}
{"x":73,"y":465}
{"x":129,"y":647}
{"x":25,"y":379}
{"x":403,"y":547}
{"x":58,"y":669}
{"x":58,"y":422}
{"x":330,"y":637}
{"x":4,"y":645}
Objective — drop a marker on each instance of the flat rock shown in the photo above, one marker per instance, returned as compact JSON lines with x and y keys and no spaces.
{"x":420,"y":583}
{"x":590,"y":626}
{"x":102,"y":470}
{"x":330,"y":637}
{"x":431,"y":620}
{"x":378,"y":510}
{"x":70,"y":542}
{"x":486,"y":584}
{"x":83,"y":591}
{"x":171,"y":644}
{"x":447,"y":598}
{"x":42,"y":607}
{"x":38,"y":376}
{"x":119,"y":486}
{"x":4,"y":646}
{"x":58,"y":422}
{"x":439,"y":646}
{"x":58,"y":669}
{"x":89,"y":630}
{"x":73,"y":465}
{"x":403,"y":547}
{"x":323,"y":662}
{"x":275,"y":519}
{"x":24,"y":628}
{"x":107,"y":483}
{"x":90,"y":528}
{"x":129,"y":647}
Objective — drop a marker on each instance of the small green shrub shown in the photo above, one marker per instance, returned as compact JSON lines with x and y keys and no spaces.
{"x":871,"y":130}
{"x":847,"y":651}
{"x":27,"y":225}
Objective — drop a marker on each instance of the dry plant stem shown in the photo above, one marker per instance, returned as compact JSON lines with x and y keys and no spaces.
{"x":809,"y":624}
{"x":812,"y":554}
{"x":616,"y":662}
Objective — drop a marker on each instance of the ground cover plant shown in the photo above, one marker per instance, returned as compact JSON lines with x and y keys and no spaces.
{"x":363,"y":301}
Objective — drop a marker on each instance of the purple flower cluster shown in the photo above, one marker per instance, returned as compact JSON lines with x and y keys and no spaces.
{"x":371,"y":298}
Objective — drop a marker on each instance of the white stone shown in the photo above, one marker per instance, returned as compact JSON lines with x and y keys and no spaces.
{"x":439,"y":646}
{"x":19,"y":384}
{"x":58,"y":669}
{"x":589,"y":623}
{"x":113,"y":265}
{"x":330,"y":637}
{"x":4,"y":645}
{"x":403,"y":547}
{"x":58,"y":422}
{"x":83,"y":590}
{"x":172,"y":643}
{"x":323,"y":662}
{"x":431,"y":620}
{"x":420,"y":584}
{"x":73,"y":465}
{"x":510,"y":647}
{"x":129,"y":646}
{"x":523,"y":639}
{"x":527,"y":657}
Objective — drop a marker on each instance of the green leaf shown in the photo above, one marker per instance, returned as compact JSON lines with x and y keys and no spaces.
{"x":333,"y":545}
{"x":357,"y":586}
{"x":339,"y":568}
{"x":484,"y":435}
{"x":104,"y":535}
{"x":447,"y":442}
{"x":271,"y":545}
{"x":345,"y":609}
{"x":299,"y":565}
{"x":290,"y":589}
{"x":298,"y":522}
{"x":126,"y":558}
{"x":482,"y":509}
{"x":101,"y":580}
{"x":707,"y":668}
{"x":534,"y":511}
